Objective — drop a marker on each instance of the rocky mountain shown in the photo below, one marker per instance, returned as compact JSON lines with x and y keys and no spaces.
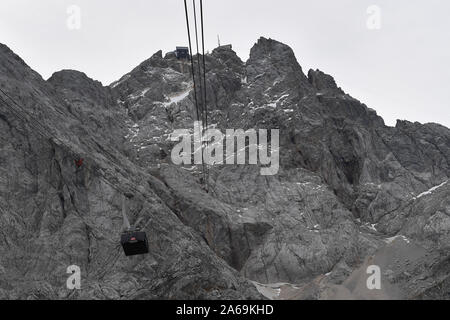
{"x":350,"y":192}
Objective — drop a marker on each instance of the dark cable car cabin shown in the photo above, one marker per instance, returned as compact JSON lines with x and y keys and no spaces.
{"x":134,"y":243}
{"x":182,"y":53}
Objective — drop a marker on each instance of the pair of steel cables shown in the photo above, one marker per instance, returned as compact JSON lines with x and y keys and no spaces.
{"x":200,"y":108}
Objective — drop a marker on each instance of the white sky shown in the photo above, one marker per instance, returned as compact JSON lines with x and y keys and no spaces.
{"x":401,"y":70}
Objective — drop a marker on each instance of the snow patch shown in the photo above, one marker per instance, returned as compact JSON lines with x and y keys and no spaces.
{"x":392,"y":239}
{"x":177,"y":98}
{"x":282,"y":97}
{"x":133,"y":132}
{"x":430,"y":191}
{"x":259,"y":76}
{"x":140,"y":94}
{"x":272,"y":291}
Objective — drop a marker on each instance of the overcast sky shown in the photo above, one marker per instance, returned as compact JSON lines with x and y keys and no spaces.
{"x":402,"y":70}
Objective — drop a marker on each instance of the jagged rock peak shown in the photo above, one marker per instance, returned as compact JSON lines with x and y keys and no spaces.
{"x":81,"y":85}
{"x":157,"y":55}
{"x":269,"y":48}
{"x":228,"y":56}
{"x":155,"y":61}
{"x":7,"y":52}
{"x":274,"y":62}
{"x":12,"y":67}
{"x":322,"y":81}
{"x":227,"y":50}
{"x":72,"y":79}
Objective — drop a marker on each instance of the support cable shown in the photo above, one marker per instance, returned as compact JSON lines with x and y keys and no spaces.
{"x":192,"y":59}
{"x":202,"y":104}
{"x":193,"y":79}
{"x":204,"y":86}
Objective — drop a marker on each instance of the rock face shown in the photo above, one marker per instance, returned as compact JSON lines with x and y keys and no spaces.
{"x":350,"y":191}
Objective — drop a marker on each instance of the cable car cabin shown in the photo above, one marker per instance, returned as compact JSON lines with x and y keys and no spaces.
{"x":134,"y":243}
{"x":182,"y":53}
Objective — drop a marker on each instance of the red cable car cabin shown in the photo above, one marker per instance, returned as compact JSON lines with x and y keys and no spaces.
{"x":134,"y":243}
{"x":79,"y":162}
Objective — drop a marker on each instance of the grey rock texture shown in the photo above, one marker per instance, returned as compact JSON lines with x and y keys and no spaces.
{"x":350,"y":189}
{"x":54,"y":215}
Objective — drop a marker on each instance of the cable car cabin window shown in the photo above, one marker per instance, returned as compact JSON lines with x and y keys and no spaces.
{"x":134,"y":243}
